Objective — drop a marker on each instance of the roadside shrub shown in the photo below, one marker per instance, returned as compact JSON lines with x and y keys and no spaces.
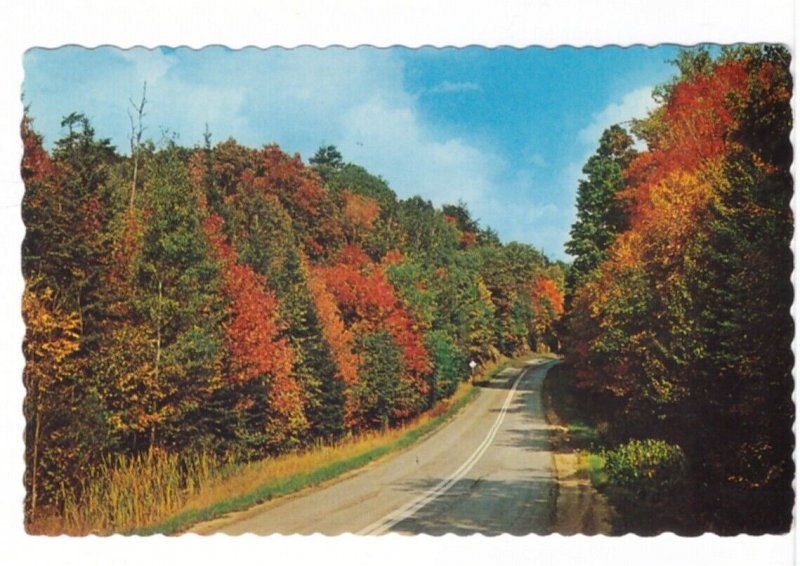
{"x":646,"y":469}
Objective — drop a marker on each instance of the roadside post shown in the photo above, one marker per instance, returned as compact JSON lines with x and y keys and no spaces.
{"x":472,"y":365}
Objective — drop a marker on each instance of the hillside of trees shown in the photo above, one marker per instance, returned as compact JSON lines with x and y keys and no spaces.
{"x":241,"y":302}
{"x":678,"y":323}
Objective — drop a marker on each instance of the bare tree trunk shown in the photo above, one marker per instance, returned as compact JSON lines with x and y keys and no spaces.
{"x":137,"y":128}
{"x":158,"y":356}
{"x":133,"y":184}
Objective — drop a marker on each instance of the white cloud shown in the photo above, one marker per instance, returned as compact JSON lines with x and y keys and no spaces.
{"x":634,"y":104}
{"x":390,"y":140}
{"x":150,"y":65}
{"x":539,"y":223}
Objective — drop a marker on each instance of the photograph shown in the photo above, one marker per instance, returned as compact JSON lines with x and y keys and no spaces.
{"x":410,"y":290}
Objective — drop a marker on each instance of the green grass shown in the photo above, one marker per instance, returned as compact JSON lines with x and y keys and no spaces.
{"x":574,"y":433}
{"x":593,"y":465}
{"x":492,"y":373}
{"x":584,"y":435}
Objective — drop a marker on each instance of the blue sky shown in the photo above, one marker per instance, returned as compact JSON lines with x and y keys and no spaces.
{"x":505,"y":130}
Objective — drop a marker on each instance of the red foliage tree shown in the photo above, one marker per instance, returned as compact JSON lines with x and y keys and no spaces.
{"x":369,"y":303}
{"x":694,"y":131}
{"x":256,"y":349}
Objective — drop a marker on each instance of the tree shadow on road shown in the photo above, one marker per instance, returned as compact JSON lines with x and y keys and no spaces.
{"x":488,"y":507}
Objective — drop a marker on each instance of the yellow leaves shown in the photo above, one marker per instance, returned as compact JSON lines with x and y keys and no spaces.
{"x":287,"y":422}
{"x":359,"y":211}
{"x":337,"y":335}
{"x":627,"y":248}
{"x":678,"y":200}
{"x":678,"y":207}
{"x":52,"y":334}
{"x":135,"y":391}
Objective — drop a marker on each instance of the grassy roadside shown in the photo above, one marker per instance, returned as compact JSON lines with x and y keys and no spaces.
{"x":263,"y":481}
{"x":269,"y":479}
{"x":160,"y":492}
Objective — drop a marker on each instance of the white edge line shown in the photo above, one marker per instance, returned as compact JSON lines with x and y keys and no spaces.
{"x":387,"y":522}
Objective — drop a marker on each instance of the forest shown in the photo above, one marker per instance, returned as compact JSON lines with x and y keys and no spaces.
{"x":678,"y":326}
{"x":238,"y":302}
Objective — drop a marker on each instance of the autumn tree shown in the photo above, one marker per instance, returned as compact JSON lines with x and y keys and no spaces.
{"x":685,"y":329}
{"x":269,"y":239}
{"x":368,"y":303}
{"x":258,"y":359}
{"x":51,"y":340}
{"x":313,"y":209}
{"x":64,"y":256}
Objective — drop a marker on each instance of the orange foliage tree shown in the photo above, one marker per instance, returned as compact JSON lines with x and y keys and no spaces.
{"x":256,"y":351}
{"x":369,"y":304}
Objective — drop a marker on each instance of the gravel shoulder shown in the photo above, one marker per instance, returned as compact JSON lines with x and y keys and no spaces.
{"x":580,"y":508}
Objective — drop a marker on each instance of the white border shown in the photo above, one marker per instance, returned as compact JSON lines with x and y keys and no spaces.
{"x":346,"y":22}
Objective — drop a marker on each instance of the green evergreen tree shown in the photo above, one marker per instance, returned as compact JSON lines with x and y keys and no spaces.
{"x":314,"y":366}
{"x":600,"y":216}
{"x":180,"y":303}
{"x":380,"y":386}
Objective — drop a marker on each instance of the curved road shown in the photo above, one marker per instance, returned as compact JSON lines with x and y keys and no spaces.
{"x":489,"y":470}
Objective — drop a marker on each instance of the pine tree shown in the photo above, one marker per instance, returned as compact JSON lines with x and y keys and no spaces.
{"x":600,"y":216}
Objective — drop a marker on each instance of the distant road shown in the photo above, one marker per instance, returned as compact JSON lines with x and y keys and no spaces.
{"x":489,"y":470}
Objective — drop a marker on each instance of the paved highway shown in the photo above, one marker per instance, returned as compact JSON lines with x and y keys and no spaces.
{"x":489,"y":470}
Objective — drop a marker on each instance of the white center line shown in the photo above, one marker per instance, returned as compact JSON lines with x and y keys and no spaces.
{"x":382,"y":525}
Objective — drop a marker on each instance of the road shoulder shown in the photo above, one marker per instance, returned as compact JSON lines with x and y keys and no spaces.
{"x":580,"y":508}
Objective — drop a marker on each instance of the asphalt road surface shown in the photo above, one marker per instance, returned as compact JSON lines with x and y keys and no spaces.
{"x":489,"y":471}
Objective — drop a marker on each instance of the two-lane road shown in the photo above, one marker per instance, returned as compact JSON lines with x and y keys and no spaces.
{"x":489,"y":470}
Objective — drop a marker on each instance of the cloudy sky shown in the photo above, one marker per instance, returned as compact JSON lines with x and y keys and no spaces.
{"x":505,"y":130}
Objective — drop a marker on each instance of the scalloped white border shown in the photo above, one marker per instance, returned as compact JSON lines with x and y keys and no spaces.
{"x":264,"y":23}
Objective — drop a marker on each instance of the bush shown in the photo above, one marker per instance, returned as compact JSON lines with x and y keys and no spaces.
{"x":649,"y":469}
